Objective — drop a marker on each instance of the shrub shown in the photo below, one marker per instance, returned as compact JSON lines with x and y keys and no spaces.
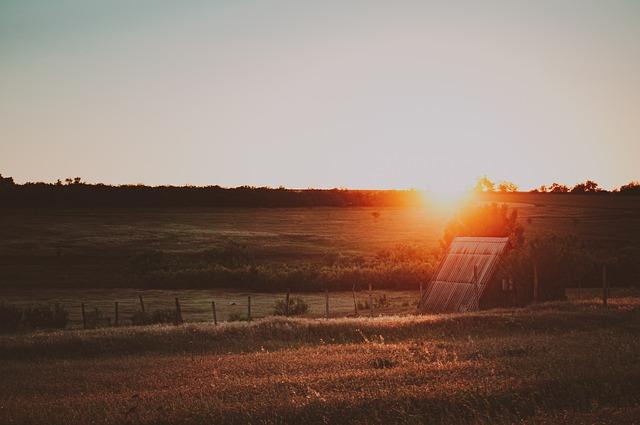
{"x":237,"y":317}
{"x":561,"y":262}
{"x":10,"y":317}
{"x":297,"y":306}
{"x":166,"y":315}
{"x":485,"y":220}
{"x":38,"y":316}
{"x":380,"y":301}
{"x":42,"y":316}
{"x":94,"y":318}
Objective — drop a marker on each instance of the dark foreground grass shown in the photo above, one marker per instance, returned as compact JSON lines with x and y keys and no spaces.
{"x":552,"y":363}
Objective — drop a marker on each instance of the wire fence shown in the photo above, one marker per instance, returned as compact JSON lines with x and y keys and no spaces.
{"x":99,"y":311}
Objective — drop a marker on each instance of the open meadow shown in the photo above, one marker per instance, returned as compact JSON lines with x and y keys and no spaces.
{"x":265,"y":250}
{"x":552,"y":363}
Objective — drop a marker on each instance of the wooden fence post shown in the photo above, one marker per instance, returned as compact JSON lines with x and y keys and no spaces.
{"x":178,"y":312}
{"x":249,"y":308}
{"x":141,"y":303}
{"x":84,"y":318}
{"x":213,"y":308}
{"x":605,"y":288}
{"x":117,"y":316}
{"x":370,"y":301}
{"x":535,"y":283}
{"x":286,"y":304}
{"x":326,"y":302}
{"x":475,"y":284}
{"x":355,"y":303}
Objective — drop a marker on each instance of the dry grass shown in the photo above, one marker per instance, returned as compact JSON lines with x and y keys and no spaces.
{"x":545,"y":364}
{"x":94,"y":248}
{"x":196,"y":304}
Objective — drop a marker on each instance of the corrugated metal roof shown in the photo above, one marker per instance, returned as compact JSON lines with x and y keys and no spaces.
{"x":454,"y":287}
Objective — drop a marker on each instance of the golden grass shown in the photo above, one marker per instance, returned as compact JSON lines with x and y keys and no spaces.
{"x":545,"y":364}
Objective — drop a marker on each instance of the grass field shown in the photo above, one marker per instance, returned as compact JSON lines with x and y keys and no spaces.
{"x":189,"y":248}
{"x":196,"y":304}
{"x":556,"y":363}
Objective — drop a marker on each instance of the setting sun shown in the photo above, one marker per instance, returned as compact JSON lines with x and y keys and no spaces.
{"x":319,"y":212}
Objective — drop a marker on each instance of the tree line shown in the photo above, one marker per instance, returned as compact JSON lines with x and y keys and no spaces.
{"x":73,"y":192}
{"x":484,"y":184}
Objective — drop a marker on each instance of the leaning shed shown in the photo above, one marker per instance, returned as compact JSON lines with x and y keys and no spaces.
{"x":464,"y":280}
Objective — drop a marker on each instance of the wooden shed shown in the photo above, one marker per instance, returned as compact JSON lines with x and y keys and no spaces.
{"x":465,"y":279}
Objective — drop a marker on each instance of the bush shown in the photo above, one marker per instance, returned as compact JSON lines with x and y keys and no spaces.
{"x":166,"y":315}
{"x":237,"y":317}
{"x":42,"y":316}
{"x":297,"y":306}
{"x":39,"y":316}
{"x":94,"y":318}
{"x":399,"y":267}
{"x":10,"y":317}
{"x":561,"y":262}
{"x":380,"y":301}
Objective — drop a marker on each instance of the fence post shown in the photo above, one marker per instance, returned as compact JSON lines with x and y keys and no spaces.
{"x":535,"y":283}
{"x":141,"y":303}
{"x":475,"y":285}
{"x":249,"y":307}
{"x":605,"y":288}
{"x":178,"y":312}
{"x":286,"y":304}
{"x":213,"y":308}
{"x":370,"y":301}
{"x":421,"y":291}
{"x":326,"y":302}
{"x":116,"y":319}
{"x":355,"y":304}
{"x":84,"y":318}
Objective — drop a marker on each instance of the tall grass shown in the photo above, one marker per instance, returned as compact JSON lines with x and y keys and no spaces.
{"x":551,"y":363}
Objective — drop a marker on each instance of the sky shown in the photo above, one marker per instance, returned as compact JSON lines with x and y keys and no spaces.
{"x":359,"y":94}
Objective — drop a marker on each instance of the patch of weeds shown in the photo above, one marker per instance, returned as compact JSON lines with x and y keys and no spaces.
{"x":155,"y":317}
{"x":237,"y":317}
{"x":384,"y":363}
{"x":297,"y":307}
{"x":515,"y":352}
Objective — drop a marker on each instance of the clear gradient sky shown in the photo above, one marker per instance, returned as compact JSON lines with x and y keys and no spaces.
{"x":363,"y":94}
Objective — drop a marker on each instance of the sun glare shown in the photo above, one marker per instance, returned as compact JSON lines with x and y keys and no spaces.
{"x":446,"y":198}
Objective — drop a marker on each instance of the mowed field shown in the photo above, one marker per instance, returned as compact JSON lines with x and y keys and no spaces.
{"x":555,"y":363}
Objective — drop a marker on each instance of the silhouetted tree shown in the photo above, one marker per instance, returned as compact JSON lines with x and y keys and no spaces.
{"x":558,"y":188}
{"x":507,"y":186}
{"x":484,"y":185}
{"x":485,"y":220}
{"x":588,"y":186}
{"x":631,"y":188}
{"x":6,"y":182}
